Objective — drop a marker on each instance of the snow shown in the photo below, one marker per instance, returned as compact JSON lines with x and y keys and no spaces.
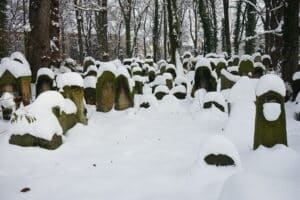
{"x":259,"y":65}
{"x":16,"y":68}
{"x":228,"y":75}
{"x":89,"y":58}
{"x":19,"y":56}
{"x":271,"y":111}
{"x":161,"y":79}
{"x":219,"y":144}
{"x":69,"y":79}
{"x":270,"y":82}
{"x":90,"y":82}
{"x":178,"y":88}
{"x":203,"y":62}
{"x":107,"y":66}
{"x":242,"y":91}
{"x":139,"y":78}
{"x":91,"y":68}
{"x":215,"y":97}
{"x":266,"y":56}
{"x":233,"y":69}
{"x":246,"y":58}
{"x":296,"y":76}
{"x":45,"y":123}
{"x":7,"y":100}
{"x":45,"y":71}
{"x":161,"y":88}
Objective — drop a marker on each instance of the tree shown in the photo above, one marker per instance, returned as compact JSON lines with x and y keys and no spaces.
{"x":206,"y":24}
{"x":38,"y":46}
{"x":101,"y":27}
{"x":173,"y":29}
{"x":250,"y":26}
{"x":226,"y":27}
{"x":291,"y":40}
{"x":79,"y":20}
{"x":237,"y":27}
{"x":155,"y":30}
{"x":3,"y":35}
{"x":55,"y":33}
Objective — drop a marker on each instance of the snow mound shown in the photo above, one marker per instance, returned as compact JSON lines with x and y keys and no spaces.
{"x":215,"y":97}
{"x":259,"y":65}
{"x":271,"y":111}
{"x":44,"y":123}
{"x":246,"y":58}
{"x":161,"y":88}
{"x":90,"y":82}
{"x":107,"y":66}
{"x":178,"y":88}
{"x":18,"y":56}
{"x":203,"y":62}
{"x":139,"y":78}
{"x":69,"y":79}
{"x":296,"y":76}
{"x":219,"y":144}
{"x":45,"y":71}
{"x":242,"y":91}
{"x":16,"y":68}
{"x":7,"y":100}
{"x":270,"y":82}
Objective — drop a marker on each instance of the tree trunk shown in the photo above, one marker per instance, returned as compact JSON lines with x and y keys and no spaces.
{"x":79,"y":21}
{"x":227,"y":27}
{"x":250,"y":27}
{"x":291,"y":40}
{"x":155,"y":30}
{"x":38,"y":45}
{"x":101,"y":19}
{"x":3,"y":35}
{"x":55,"y":33}
{"x":165,"y":29}
{"x":237,"y":27}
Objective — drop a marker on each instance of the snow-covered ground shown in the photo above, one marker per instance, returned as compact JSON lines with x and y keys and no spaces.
{"x":150,"y":154}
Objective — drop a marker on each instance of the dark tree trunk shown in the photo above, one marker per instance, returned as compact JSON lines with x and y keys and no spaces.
{"x":155,"y":30}
{"x":3,"y":35}
{"x":79,"y":21}
{"x":214,"y":25}
{"x":38,"y":46}
{"x":55,"y":33}
{"x":206,"y":23}
{"x":101,"y":19}
{"x":173,"y":29}
{"x":165,"y":29}
{"x":291,"y":40}
{"x":237,"y":27}
{"x":250,"y":27}
{"x":227,"y":27}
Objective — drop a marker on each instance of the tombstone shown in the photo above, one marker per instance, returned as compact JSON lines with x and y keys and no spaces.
{"x":214,"y":99}
{"x":105,"y":91}
{"x":297,"y":105}
{"x":136,"y":69}
{"x":221,"y":64}
{"x":123,"y":93}
{"x":270,"y":121}
{"x":171,"y":69}
{"x":257,"y":57}
{"x":151,"y":74}
{"x":179,"y":91}
{"x":204,"y":77}
{"x":162,"y":66}
{"x":7,"y":105}
{"x":43,"y":122}
{"x":161,"y":91}
{"x":127,"y":61}
{"x":44,"y":80}
{"x":90,"y":90}
{"x":139,"y":82}
{"x":15,"y":77}
{"x":219,"y":151}
{"x":91,"y":71}
{"x":267,"y":61}
{"x":228,"y":79}
{"x":88,"y":61}
{"x":71,"y":86}
{"x":246,"y":66}
{"x":235,"y":60}
{"x":69,"y":63}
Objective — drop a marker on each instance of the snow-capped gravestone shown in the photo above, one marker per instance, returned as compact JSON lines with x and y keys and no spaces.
{"x":267,"y":61}
{"x":228,"y":79}
{"x":123,"y":89}
{"x":105,"y":87}
{"x":91,"y":71}
{"x":246,"y":66}
{"x":240,"y":125}
{"x":204,"y":77}
{"x":172,"y":70}
{"x":44,"y":80}
{"x":88,"y":61}
{"x":259,"y":70}
{"x":214,"y":100}
{"x":145,"y":100}
{"x":71,"y":86}
{"x":270,"y":121}
{"x":7,"y":105}
{"x":43,"y":122}
{"x":179,"y":91}
{"x":297,"y":106}
{"x":160,"y":91}
{"x":139,"y":82}
{"x":218,"y":151}
{"x":90,"y":89}
{"x":221,"y":64}
{"x":15,"y":77}
{"x":296,"y":84}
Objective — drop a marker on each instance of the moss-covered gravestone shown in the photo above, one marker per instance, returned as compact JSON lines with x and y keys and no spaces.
{"x":270,"y":121}
{"x":179,"y":91}
{"x":266,"y":60}
{"x":123,"y":93}
{"x":44,"y":81}
{"x":90,"y":90}
{"x":246,"y":66}
{"x":214,"y":99}
{"x":204,"y":78}
{"x":88,"y":61}
{"x":259,"y":70}
{"x":161,"y":91}
{"x":221,"y":64}
{"x":172,"y":70}
{"x":105,"y":91}
{"x":228,"y":79}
